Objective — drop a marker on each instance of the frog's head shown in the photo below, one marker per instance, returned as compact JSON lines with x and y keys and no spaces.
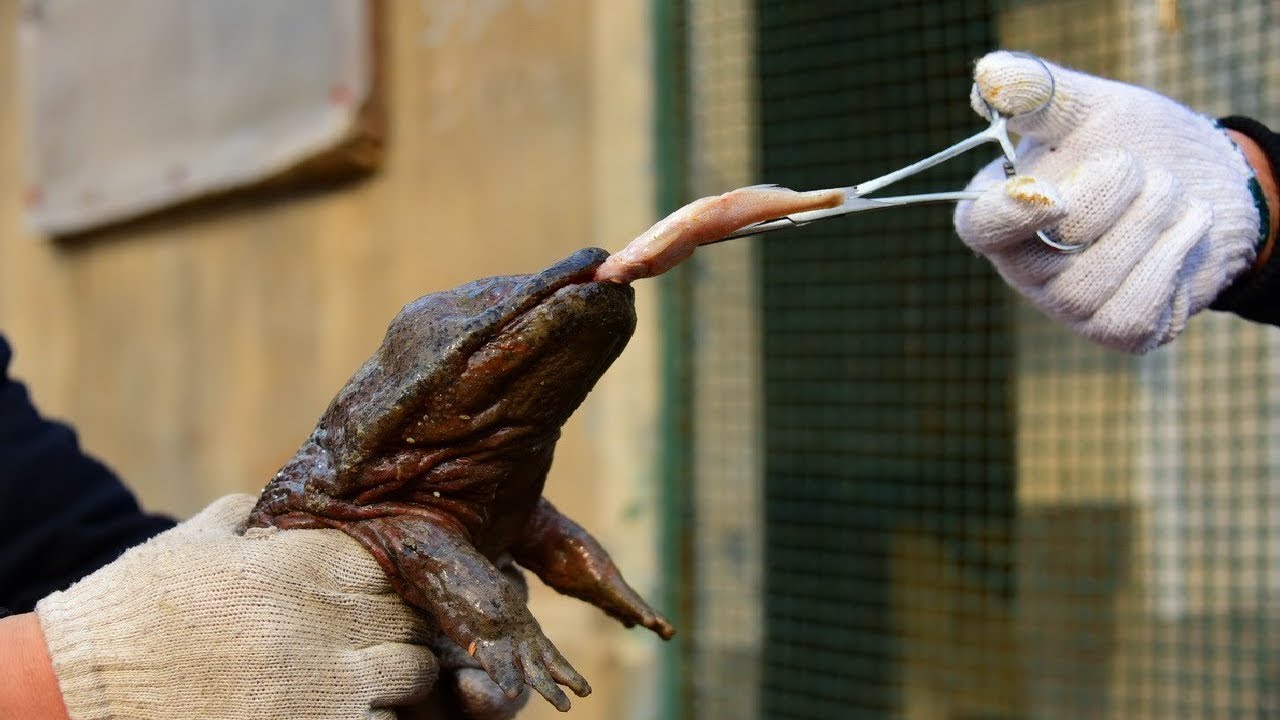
{"x":514,"y":354}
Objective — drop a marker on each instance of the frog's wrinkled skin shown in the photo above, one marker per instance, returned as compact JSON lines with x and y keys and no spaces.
{"x":434,"y":456}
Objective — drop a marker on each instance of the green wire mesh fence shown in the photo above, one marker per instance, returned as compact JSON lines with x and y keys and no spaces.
{"x":911,"y":495}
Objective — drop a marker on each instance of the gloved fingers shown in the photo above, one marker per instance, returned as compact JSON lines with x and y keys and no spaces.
{"x":1008,"y":213}
{"x":383,"y":618}
{"x":1099,"y":190}
{"x":1030,"y":265}
{"x":1144,"y":312}
{"x":392,"y":674}
{"x":334,"y":559}
{"x":340,"y":575}
{"x":224,"y":516}
{"x":1018,"y":87}
{"x":1094,"y":277}
{"x":1002,"y":223}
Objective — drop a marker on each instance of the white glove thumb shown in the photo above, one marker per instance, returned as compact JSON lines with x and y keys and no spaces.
{"x":1041,"y":105}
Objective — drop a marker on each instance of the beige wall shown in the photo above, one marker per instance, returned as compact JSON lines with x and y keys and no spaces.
{"x":194,"y":353}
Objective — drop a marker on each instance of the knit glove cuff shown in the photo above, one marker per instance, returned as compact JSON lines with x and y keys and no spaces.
{"x":1255,"y":295}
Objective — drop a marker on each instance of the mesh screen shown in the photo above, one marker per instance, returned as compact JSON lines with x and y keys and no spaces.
{"x":913,"y":496}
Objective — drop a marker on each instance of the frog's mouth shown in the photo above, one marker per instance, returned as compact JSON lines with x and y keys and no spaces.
{"x":552,"y":338}
{"x":516,"y":352}
{"x":507,"y":298}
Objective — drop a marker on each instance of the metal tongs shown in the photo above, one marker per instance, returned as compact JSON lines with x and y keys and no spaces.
{"x":854,"y":200}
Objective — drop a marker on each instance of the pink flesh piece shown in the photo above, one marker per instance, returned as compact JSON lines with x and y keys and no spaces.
{"x":675,"y":237}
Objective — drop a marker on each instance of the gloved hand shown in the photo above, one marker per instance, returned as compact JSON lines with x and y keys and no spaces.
{"x":1162,"y":194}
{"x":201,"y":622}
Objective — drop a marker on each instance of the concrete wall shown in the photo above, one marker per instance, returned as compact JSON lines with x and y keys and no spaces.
{"x":195,"y":352}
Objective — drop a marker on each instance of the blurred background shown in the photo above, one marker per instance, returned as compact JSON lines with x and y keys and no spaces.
{"x":864,"y":479}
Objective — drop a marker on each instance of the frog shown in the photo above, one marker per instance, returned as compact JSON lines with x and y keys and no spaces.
{"x":435,"y":454}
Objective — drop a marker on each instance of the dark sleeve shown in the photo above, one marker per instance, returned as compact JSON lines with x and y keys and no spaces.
{"x":63,"y":514}
{"x":1256,"y":294}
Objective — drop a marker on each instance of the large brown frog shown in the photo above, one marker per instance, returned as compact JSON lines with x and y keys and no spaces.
{"x":434,"y":454}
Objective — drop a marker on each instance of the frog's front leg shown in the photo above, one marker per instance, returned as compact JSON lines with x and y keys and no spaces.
{"x":435,"y":568}
{"x":566,"y":557}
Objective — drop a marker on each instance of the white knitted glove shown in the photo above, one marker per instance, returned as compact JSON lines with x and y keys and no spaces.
{"x":201,"y":622}
{"x":1160,"y":191}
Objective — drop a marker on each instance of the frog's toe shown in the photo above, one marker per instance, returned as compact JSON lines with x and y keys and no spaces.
{"x":660,"y":625}
{"x":538,"y":678}
{"x":564,"y":673}
{"x":481,"y":698}
{"x":497,"y":659}
{"x":632,"y":610}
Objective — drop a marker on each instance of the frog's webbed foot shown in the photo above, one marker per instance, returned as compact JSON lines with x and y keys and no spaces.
{"x":436,"y":569}
{"x":532,"y":658}
{"x":567,"y":558}
{"x":464,"y":689}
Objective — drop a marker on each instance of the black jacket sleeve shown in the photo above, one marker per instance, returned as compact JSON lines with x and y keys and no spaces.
{"x":63,"y":514}
{"x":1256,"y":294}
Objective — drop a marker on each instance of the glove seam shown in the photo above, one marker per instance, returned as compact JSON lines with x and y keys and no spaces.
{"x":1253,"y":295}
